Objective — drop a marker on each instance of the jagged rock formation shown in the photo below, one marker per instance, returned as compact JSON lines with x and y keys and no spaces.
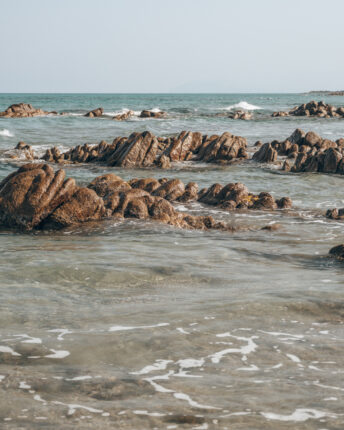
{"x":95,"y":113}
{"x":146,"y":150}
{"x":337,"y":214}
{"x":313,"y":108}
{"x":311,"y":152}
{"x":36,"y":197}
{"x":152,"y":114}
{"x":123,"y":116}
{"x":23,"y":110}
{"x":240,"y":114}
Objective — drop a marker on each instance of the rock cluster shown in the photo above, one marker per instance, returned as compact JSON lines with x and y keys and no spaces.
{"x":311,"y":153}
{"x":335,"y":213}
{"x":240,"y":114}
{"x":123,"y":116}
{"x":95,"y":113}
{"x":152,"y":114}
{"x":313,"y":108}
{"x":146,"y":150}
{"x":37,"y":197}
{"x":23,"y":110}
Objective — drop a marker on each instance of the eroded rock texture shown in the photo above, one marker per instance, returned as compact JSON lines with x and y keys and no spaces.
{"x":146,"y":150}
{"x":311,"y":153}
{"x":35,"y":196}
{"x":313,"y":108}
{"x":23,"y":110}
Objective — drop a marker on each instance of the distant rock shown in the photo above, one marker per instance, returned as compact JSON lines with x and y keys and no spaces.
{"x":152,"y":114}
{"x":241,"y":114}
{"x":338,"y":252}
{"x":23,"y":110}
{"x":313,"y":108}
{"x":95,"y":113}
{"x":123,"y":116}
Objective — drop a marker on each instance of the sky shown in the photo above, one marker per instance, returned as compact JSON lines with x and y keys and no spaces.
{"x":162,"y":46}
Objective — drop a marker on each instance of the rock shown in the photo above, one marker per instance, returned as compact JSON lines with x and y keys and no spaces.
{"x":31,"y":194}
{"x":313,"y":108}
{"x":84,"y":205}
{"x":266,"y":154}
{"x":170,"y":190}
{"x":284,"y":203}
{"x":286,"y":166}
{"x":331,"y":161}
{"x":337,"y":214}
{"x":241,"y":114}
{"x":107,"y":184}
{"x":163,"y":162}
{"x":23,"y":110}
{"x":272,"y":227}
{"x":222,"y":149}
{"x":184,"y":146}
{"x":311,"y":139}
{"x":152,"y":114}
{"x":95,"y":113}
{"x":123,"y":116}
{"x":338,"y":252}
{"x":191,"y":193}
{"x":25,"y":150}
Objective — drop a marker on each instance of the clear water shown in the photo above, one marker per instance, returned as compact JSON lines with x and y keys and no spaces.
{"x":139,"y":325}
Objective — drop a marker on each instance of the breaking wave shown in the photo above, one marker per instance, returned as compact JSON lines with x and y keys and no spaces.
{"x":6,"y":133}
{"x":242,"y":105}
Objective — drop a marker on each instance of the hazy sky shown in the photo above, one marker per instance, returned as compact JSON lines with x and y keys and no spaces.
{"x":171,"y":45}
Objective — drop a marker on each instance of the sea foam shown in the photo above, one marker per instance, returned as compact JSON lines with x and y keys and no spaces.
{"x":242,"y":105}
{"x":6,"y":133}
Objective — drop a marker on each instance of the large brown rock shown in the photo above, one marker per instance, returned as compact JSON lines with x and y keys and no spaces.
{"x":266,"y":154}
{"x":95,"y":113}
{"x":23,"y":110}
{"x":222,"y":149}
{"x":84,"y":205}
{"x":184,"y":146}
{"x":31,"y":194}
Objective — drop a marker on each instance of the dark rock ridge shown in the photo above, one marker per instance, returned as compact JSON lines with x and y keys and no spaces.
{"x":311,"y":153}
{"x":95,"y":113}
{"x":313,"y":108}
{"x":152,"y":114}
{"x":23,"y":110}
{"x":146,"y":150}
{"x":337,"y":214}
{"x":37,"y":197}
{"x":337,"y":252}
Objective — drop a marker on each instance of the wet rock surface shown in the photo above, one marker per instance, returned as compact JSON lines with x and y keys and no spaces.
{"x":95,"y":113}
{"x":311,"y":153}
{"x":35,"y":196}
{"x":146,"y":150}
{"x":152,"y":114}
{"x":313,"y":108}
{"x":23,"y":110}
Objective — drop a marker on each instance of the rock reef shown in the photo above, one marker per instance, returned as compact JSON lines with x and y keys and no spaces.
{"x":37,"y":197}
{"x":95,"y":113}
{"x":310,"y":151}
{"x":313,"y":108}
{"x":146,"y":150}
{"x":23,"y":110}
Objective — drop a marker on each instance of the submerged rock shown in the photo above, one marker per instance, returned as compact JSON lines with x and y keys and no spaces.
{"x":337,"y":251}
{"x":152,"y":114}
{"x":123,"y":116}
{"x":36,"y":197}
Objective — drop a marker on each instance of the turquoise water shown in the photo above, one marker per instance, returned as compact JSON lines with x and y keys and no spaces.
{"x":139,"y":325}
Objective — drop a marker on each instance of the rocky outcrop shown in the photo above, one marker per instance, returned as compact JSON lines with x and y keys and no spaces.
{"x":311,"y":153}
{"x":36,"y":197}
{"x":152,"y":114}
{"x":95,"y":113}
{"x":241,"y":114}
{"x":23,"y":110}
{"x":146,"y":150}
{"x":313,"y":108}
{"x":337,"y":214}
{"x":123,"y":116}
{"x":337,"y":252}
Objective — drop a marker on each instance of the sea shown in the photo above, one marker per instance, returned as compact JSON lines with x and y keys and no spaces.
{"x":138,"y":325}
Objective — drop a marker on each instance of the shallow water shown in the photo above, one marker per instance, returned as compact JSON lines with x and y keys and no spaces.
{"x":140,"y":325}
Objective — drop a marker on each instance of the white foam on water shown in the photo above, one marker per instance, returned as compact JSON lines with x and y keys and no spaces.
{"x":29,"y":339}
{"x":150,"y":414}
{"x":187,"y":363}
{"x":251,"y":368}
{"x":181,"y":330}
{"x":159,"y":388}
{"x":242,"y":105}
{"x":7,"y":349}
{"x":193,"y":403}
{"x":235,"y":414}
{"x":201,"y":427}
{"x":299,"y":415}
{"x":73,"y":407}
{"x":62,"y":331}
{"x":79,"y":378}
{"x":2,"y":377}
{"x":57,"y":354}
{"x":158,"y":365}
{"x":24,"y":386}
{"x":38,"y":398}
{"x":328,"y":386}
{"x":6,"y":133}
{"x":294,"y":358}
{"x":124,"y":328}
{"x":244,"y":350}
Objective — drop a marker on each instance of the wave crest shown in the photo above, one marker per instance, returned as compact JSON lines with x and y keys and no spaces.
{"x":6,"y":133}
{"x":242,"y":105}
